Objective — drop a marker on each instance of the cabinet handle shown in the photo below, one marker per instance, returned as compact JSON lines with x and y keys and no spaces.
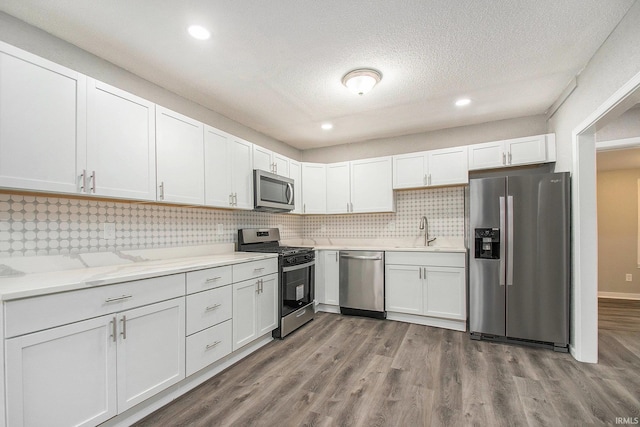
{"x":420,"y":272}
{"x":230,"y":199}
{"x":114,"y":329}
{"x":504,"y":158}
{"x":509,"y":157}
{"x":235,"y":199}
{"x":429,"y":179}
{"x":212,"y":307}
{"x":257,"y":270}
{"x":118,"y":298}
{"x":276,"y":166}
{"x":210,"y":346}
{"x":212,"y":279}
{"x":336,"y":256}
{"x":93,"y":180}
{"x":124,"y":327}
{"x":351,"y":207}
{"x":257,"y":286}
{"x":83,"y":180}
{"x":161,"y":190}
{"x":304,"y":208}
{"x":424,"y":180}
{"x":424,"y":275}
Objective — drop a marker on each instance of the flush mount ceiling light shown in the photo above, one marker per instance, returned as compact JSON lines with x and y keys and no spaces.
{"x":198,"y":32}
{"x":362,"y":80}
{"x":462,"y":102}
{"x":327,"y":126}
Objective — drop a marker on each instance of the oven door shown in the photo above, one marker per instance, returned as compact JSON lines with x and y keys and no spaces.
{"x":297,"y":286}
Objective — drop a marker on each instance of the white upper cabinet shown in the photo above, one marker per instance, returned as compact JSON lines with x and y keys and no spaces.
{"x":513,"y":152}
{"x":431,"y":168}
{"x":42,"y":123}
{"x":314,"y":188}
{"x":295,"y":173}
{"x":228,"y":170}
{"x":338,"y":188}
{"x":270,"y":161}
{"x":121,"y":157}
{"x":179,"y":154}
{"x":372,"y":185}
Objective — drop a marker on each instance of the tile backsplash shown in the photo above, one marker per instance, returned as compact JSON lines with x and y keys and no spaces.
{"x":443,"y":207}
{"x":35,"y":225}
{"x":42,"y":225}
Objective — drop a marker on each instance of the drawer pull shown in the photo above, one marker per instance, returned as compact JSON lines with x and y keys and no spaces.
{"x":258,"y":269}
{"x":210,"y":346}
{"x":302,"y":313}
{"x":118,"y":298}
{"x":212,"y":307}
{"x":212,"y":279}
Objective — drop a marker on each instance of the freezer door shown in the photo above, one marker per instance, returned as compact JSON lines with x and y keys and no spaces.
{"x":486,"y":276}
{"x":538,"y":267}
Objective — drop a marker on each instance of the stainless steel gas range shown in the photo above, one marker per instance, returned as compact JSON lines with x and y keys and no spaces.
{"x":296,"y":273}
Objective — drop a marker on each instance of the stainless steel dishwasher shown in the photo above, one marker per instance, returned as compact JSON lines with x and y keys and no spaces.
{"x":362,"y":283}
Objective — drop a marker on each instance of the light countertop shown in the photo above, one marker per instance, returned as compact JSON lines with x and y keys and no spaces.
{"x":383,"y":244}
{"x":74,"y":272}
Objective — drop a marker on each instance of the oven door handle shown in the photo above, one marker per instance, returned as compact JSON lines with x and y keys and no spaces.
{"x":298,"y":267}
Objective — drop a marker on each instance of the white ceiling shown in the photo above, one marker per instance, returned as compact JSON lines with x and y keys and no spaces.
{"x":276,"y":66}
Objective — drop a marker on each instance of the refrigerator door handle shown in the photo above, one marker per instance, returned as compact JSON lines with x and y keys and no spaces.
{"x":503,"y":242}
{"x":510,"y":241}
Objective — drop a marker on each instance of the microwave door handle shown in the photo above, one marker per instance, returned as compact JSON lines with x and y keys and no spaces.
{"x":290,"y":191}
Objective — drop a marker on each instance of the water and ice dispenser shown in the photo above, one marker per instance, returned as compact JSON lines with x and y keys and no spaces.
{"x":487,"y":243}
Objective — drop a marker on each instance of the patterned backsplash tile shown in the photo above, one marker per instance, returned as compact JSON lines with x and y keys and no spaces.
{"x":443,"y":207}
{"x":36,"y":225}
{"x":31,"y":225}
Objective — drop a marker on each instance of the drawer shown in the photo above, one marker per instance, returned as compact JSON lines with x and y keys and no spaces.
{"x":436,"y":259}
{"x":47,"y":311}
{"x":208,"y":308}
{"x":210,"y":278}
{"x":250,"y":270}
{"x":208,"y":346}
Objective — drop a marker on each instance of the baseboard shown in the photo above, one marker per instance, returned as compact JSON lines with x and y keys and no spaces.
{"x":328,"y":308}
{"x":619,"y":295}
{"x":456,"y":325}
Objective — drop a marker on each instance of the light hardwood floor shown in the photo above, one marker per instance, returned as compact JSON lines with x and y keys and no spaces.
{"x":342,"y":371}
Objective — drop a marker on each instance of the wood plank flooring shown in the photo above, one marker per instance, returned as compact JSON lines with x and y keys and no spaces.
{"x":351,"y":371}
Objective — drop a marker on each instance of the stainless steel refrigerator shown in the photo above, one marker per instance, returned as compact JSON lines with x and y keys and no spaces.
{"x":519,"y":263}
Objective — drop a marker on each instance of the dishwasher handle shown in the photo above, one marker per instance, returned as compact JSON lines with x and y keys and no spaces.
{"x":372,"y":258}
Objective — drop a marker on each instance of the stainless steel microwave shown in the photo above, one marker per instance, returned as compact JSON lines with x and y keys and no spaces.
{"x":271,"y":192}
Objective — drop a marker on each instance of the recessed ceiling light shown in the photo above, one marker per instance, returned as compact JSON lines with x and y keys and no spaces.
{"x":327,"y":126}
{"x":462,"y":102}
{"x":362,"y":80}
{"x":198,"y":32}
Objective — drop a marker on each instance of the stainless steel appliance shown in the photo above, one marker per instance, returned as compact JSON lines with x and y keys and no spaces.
{"x":271,"y":192}
{"x":519,"y":267}
{"x":362,"y":283}
{"x":296,"y":274}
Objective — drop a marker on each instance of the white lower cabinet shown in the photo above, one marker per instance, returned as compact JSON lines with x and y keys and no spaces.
{"x":62,"y":376}
{"x":426,"y":284}
{"x":255,"y":303}
{"x":327,"y":278}
{"x":87,"y":372}
{"x":208,"y":346}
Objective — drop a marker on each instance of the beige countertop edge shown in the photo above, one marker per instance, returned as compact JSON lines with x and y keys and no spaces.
{"x":38,"y":284}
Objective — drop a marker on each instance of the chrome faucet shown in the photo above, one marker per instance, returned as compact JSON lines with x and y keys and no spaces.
{"x":424,"y":225}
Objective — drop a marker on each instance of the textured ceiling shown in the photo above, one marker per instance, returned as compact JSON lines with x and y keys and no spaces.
{"x":276,"y":66}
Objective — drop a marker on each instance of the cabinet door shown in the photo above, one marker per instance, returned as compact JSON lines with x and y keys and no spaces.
{"x":295,"y":173}
{"x":242,"y":173}
{"x":62,"y":376}
{"x":372,"y":185}
{"x":151,"y":350}
{"x":245,"y":309}
{"x":42,"y":123}
{"x":121,"y":156}
{"x":444,"y":293}
{"x":331,"y":278}
{"x":338,"y":188}
{"x":410,"y":170}
{"x":281,"y":164}
{"x":268,"y":304}
{"x":403,"y":289}
{"x":487,"y":156}
{"x":217,"y":168}
{"x":314,"y":188}
{"x":448,"y":167}
{"x":180,"y":152}
{"x":262,"y":159}
{"x":522,"y":151}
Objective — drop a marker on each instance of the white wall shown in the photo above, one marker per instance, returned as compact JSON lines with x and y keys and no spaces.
{"x":625,"y":126}
{"x":463,"y":135}
{"x":38,"y":42}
